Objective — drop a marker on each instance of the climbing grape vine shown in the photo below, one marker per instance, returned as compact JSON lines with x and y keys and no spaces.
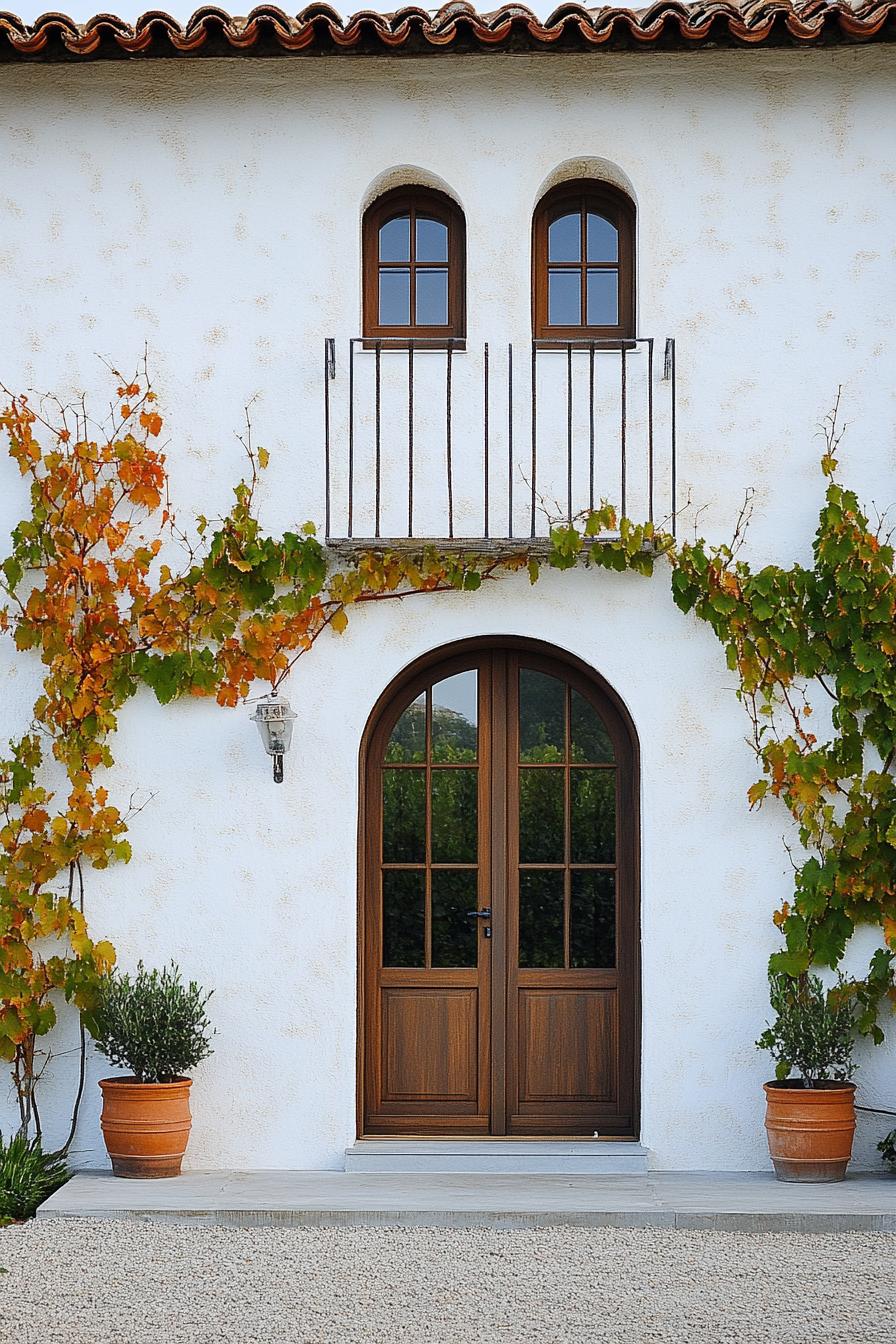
{"x":108,"y":589}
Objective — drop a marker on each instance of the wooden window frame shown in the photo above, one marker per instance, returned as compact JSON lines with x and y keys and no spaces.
{"x":434,"y":205}
{"x":614,"y":205}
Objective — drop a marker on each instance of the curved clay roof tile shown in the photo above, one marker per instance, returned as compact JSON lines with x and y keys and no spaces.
{"x":457,"y":27}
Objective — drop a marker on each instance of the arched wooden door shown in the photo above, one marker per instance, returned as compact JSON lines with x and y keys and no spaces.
{"x":499,"y":900}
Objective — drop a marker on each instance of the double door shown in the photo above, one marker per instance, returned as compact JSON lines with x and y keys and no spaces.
{"x":499,"y":948}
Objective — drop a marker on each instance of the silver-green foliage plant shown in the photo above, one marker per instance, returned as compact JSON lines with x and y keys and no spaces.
{"x":814,"y":1030}
{"x":28,"y":1176}
{"x":153,"y":1025}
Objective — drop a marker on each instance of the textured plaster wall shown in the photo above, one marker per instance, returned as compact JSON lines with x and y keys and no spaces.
{"x":212,"y":210}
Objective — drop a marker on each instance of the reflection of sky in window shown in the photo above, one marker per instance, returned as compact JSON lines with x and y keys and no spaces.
{"x":458,"y":693}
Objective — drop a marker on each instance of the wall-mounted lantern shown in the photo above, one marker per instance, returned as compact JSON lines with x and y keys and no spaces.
{"x":275,"y":719}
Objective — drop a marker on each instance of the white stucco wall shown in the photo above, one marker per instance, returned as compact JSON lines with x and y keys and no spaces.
{"x":212,"y":210}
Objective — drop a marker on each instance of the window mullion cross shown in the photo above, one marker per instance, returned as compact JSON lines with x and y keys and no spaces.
{"x":583,"y":266}
{"x":412,"y":252}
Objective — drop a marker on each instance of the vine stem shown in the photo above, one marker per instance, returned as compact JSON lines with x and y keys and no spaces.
{"x":82,"y":1060}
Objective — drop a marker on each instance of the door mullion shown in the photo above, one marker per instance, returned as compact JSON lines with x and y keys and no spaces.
{"x":427,"y":880}
{"x":497,"y":718}
{"x":567,"y":822}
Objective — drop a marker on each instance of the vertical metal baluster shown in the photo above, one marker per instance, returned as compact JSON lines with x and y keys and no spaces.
{"x":328,"y":364}
{"x":509,"y":439}
{"x":351,"y":432}
{"x":534,"y":437}
{"x":674,"y":443}
{"x":622,"y":414}
{"x":569,"y":432}
{"x":650,"y":429}
{"x":410,"y":440}
{"x":485,"y":435}
{"x":378,"y":438}
{"x":448,"y":440}
{"x":591,"y":423}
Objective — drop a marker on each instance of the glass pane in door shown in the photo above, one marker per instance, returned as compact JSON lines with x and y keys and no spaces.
{"x":455,"y":718}
{"x":454,"y":931}
{"x":403,"y":917}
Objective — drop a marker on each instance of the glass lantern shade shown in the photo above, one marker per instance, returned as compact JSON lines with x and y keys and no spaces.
{"x":275,"y":720}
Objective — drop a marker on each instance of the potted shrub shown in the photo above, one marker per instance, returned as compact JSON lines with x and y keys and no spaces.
{"x":156,"y":1027}
{"x":810,"y":1119}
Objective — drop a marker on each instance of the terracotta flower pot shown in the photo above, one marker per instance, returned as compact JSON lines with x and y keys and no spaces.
{"x":810,"y":1129}
{"x":146,"y":1125}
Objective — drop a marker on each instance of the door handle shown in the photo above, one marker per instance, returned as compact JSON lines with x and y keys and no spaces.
{"x":481,"y":914}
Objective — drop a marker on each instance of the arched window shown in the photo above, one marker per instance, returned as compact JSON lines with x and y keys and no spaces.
{"x":414,"y":259}
{"x":583,"y":283}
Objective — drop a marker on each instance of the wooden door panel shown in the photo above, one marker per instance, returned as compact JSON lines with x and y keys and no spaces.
{"x":568,"y":1047}
{"x":430,"y":1050}
{"x":529,"y":1025}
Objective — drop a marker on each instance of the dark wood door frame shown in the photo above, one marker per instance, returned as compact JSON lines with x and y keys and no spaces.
{"x":448,"y":659}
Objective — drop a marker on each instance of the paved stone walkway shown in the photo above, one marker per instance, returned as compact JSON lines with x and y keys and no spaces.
{"x":719,"y":1201}
{"x":100,"y":1282}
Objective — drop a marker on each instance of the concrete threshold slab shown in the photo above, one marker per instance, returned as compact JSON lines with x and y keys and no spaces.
{"x":712,"y":1201}
{"x":520,"y":1157}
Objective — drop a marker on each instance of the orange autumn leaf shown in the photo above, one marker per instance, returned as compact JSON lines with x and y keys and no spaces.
{"x":151,"y":421}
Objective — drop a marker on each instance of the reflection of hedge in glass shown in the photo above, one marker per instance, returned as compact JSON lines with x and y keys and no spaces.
{"x":541,"y":816}
{"x":454,"y":816}
{"x":543,"y":723}
{"x":408,"y":740}
{"x":589,"y":739}
{"x":592,"y":919}
{"x":454,"y":729}
{"x":453,"y":735}
{"x":403,"y":917}
{"x":542,"y":716}
{"x":404,"y":816}
{"x":541,"y":918}
{"x":593,"y":807}
{"x":454,"y":933}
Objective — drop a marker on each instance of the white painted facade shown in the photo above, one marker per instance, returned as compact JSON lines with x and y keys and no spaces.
{"x":212,"y":210}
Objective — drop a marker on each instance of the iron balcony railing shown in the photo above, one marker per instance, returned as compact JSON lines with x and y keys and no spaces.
{"x":436,"y":440}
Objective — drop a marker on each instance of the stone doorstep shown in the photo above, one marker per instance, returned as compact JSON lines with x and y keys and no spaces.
{"x":542,"y":1157}
{"x":711,"y":1201}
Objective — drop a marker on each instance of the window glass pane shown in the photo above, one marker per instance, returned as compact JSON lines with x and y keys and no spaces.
{"x":541,"y":918}
{"x":589,"y":739}
{"x":592,"y":920}
{"x":542,"y":712}
{"x":395,"y":239}
{"x":395,"y":298}
{"x":403,"y":917}
{"x":541,"y":815}
{"x":432,"y":298}
{"x":603,"y":303}
{"x":602,"y":240}
{"x":454,"y":931}
{"x":408,"y":740}
{"x":404,"y":816}
{"x":593,"y":806}
{"x":565,"y":238}
{"x":455,"y":712}
{"x":564,"y":299}
{"x":432,"y":240}
{"x":454,"y":816}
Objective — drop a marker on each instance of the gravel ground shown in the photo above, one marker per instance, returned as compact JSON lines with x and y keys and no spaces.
{"x":70,"y":1282}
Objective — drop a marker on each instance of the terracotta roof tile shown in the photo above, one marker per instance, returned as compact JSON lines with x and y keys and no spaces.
{"x":457,"y":27}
